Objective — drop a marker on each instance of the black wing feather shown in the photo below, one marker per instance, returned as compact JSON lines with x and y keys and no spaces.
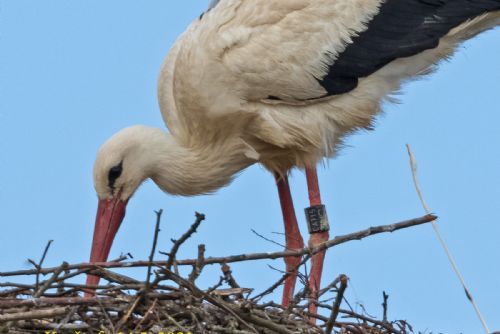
{"x":402,"y":28}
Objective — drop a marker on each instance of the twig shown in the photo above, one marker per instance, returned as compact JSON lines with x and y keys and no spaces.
{"x":216,"y":286}
{"x":179,"y":326}
{"x":147,"y":313}
{"x":365,"y":318}
{"x":265,"y":323}
{"x":74,"y":301}
{"x":413,"y":165}
{"x":267,"y":239}
{"x":200,"y":263}
{"x":270,"y":289}
{"x":112,"y":276}
{"x":37,"y":314}
{"x":38,"y":265}
{"x":384,"y":305}
{"x":127,"y":315}
{"x":336,"y":305}
{"x":177,"y":243}
{"x":329,"y":286}
{"x":153,"y":248}
{"x":106,"y":315}
{"x":67,"y":317}
{"x":230,"y":292}
{"x":44,"y":326}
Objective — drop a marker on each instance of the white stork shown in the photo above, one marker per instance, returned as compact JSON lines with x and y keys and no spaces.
{"x":280,"y":83}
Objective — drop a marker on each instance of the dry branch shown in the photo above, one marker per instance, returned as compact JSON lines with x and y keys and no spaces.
{"x":177,"y":243}
{"x":36,"y":314}
{"x":244,"y":257}
{"x":336,"y":305}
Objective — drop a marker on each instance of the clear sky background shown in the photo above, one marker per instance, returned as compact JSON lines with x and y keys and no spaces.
{"x":72,"y":73}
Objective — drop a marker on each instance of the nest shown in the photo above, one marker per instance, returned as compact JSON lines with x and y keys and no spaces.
{"x":167,"y":302}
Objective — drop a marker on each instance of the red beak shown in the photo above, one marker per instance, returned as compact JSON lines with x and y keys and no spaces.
{"x":109,"y":217}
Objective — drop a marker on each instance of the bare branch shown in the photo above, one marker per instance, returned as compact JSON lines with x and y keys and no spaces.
{"x":247,"y":257}
{"x":200,"y":263}
{"x":336,"y":305}
{"x":37,"y":314}
{"x":38,"y":265}
{"x":153,"y":248}
{"x":177,"y":243}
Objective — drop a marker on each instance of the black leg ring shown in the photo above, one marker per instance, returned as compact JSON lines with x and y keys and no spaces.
{"x":317,"y":220}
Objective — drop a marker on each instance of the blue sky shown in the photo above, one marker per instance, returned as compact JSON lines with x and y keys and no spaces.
{"x":72,"y":73}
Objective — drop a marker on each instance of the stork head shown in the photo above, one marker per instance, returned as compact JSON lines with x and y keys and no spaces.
{"x":122,"y":164}
{"x":137,"y":153}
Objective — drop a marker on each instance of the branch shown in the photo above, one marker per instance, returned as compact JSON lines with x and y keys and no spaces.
{"x":336,"y":305}
{"x":153,"y":248}
{"x":74,"y":301}
{"x":38,"y":314}
{"x":247,"y":257}
{"x":200,"y":263}
{"x":177,"y":243}
{"x":38,"y":265}
{"x":384,"y":305}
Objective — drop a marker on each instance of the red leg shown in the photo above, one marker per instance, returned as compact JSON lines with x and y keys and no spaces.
{"x":316,"y":238}
{"x":313,"y":186}
{"x":292,"y":236}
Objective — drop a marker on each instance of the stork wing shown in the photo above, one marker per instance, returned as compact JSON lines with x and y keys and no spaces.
{"x":212,"y":4}
{"x":300,"y":50}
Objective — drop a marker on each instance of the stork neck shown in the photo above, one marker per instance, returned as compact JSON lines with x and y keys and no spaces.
{"x":193,"y":170}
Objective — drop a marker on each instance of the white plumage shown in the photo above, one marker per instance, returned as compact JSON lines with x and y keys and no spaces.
{"x":279,"y":83}
{"x":217,"y":78}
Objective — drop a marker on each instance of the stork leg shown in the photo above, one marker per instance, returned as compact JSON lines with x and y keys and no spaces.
{"x":292,"y":236}
{"x":318,"y":229}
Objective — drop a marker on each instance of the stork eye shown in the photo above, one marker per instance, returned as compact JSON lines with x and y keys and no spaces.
{"x":114,"y":173}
